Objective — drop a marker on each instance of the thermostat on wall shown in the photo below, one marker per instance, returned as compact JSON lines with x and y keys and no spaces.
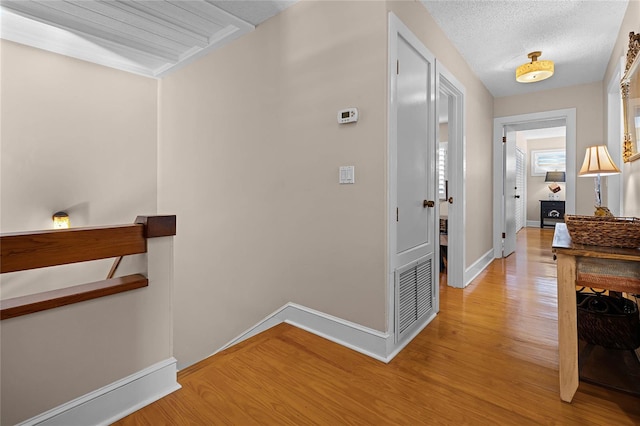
{"x":348,"y":115}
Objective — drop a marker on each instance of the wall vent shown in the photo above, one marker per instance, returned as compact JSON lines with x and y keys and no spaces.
{"x":414,"y":294}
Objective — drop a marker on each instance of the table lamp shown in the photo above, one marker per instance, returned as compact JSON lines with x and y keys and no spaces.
{"x":554,"y":178}
{"x":598,"y":162}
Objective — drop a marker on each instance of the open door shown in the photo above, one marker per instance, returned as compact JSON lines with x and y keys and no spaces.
{"x":510,"y":191}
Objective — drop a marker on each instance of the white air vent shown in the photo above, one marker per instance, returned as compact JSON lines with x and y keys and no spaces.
{"x":414,"y":294}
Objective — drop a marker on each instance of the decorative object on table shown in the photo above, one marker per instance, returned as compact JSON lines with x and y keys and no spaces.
{"x":535,"y":70}
{"x":603,"y":211}
{"x":604,"y":231}
{"x":554,"y":178}
{"x":61,"y":220}
{"x":597,"y":163}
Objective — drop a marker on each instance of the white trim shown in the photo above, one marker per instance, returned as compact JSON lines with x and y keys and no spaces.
{"x":445,"y":81}
{"x":115,"y":401}
{"x":367,"y":341}
{"x":478,"y":266}
{"x":533,"y":224}
{"x":273,"y":319}
{"x":354,"y":336}
{"x":394,"y":348}
{"x":569,"y":117}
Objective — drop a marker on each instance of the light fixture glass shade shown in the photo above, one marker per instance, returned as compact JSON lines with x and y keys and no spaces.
{"x":555,"y":177}
{"x":534,"y":70}
{"x":598,"y":162}
{"x":61,"y":220}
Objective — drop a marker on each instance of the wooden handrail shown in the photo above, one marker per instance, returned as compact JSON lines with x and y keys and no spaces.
{"x":29,"y":304}
{"x":31,"y":250}
{"x":22,"y":251}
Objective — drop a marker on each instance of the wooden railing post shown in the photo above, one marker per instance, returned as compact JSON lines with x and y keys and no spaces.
{"x":154,"y":226}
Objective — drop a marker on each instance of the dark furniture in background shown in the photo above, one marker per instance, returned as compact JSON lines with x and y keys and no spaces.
{"x":552,"y":211}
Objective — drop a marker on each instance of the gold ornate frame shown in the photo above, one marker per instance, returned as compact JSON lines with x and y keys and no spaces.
{"x":630,"y":88}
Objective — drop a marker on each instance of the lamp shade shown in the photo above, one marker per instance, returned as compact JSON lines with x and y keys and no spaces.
{"x":597,"y":161}
{"x":535,"y":70}
{"x":555,"y":177}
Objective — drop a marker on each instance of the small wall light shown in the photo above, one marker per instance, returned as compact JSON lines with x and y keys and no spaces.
{"x":61,"y":220}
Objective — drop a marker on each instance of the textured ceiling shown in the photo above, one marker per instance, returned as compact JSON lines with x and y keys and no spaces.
{"x":153,"y":38}
{"x":495,"y":37}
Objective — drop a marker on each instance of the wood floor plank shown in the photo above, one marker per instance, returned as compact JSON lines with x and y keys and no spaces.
{"x":489,"y":357}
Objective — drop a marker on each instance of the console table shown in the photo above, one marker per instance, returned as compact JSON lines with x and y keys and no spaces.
{"x":573,"y":269}
{"x":552,"y":210}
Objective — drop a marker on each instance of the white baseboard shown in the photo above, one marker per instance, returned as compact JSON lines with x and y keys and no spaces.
{"x":376,"y":344}
{"x":266,"y":323}
{"x":394,"y":349}
{"x":354,"y":336}
{"x":115,"y":401}
{"x":533,"y":224}
{"x":478,"y":266}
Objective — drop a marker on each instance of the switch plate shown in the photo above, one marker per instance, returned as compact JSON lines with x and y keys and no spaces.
{"x":347,"y":174}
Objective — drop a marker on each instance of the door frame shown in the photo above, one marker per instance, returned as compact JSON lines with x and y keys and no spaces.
{"x":398,"y":28}
{"x":524,"y":185}
{"x":523,"y":122}
{"x":446,"y":82}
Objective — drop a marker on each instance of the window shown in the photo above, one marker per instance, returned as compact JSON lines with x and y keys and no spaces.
{"x":548,"y":160}
{"x":442,"y":171}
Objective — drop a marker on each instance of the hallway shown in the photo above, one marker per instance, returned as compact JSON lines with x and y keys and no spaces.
{"x":489,"y":357}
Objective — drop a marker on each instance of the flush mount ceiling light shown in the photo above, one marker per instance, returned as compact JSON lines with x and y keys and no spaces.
{"x":535,"y":70}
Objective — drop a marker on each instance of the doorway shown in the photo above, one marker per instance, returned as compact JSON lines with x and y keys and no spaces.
{"x":451,"y":189}
{"x":505,"y":195}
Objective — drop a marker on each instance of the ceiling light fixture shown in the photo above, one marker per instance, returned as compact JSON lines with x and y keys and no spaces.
{"x":535,"y":70}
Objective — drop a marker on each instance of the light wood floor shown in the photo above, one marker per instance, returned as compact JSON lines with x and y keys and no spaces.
{"x":490,"y":357}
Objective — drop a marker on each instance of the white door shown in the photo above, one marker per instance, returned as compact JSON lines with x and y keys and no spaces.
{"x":510,"y":192}
{"x":415,"y":214}
{"x":413,"y":181}
{"x":520,"y":198}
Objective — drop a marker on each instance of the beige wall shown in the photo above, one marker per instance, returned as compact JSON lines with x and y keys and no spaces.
{"x":479,"y":128}
{"x":248,"y":158}
{"x":537,"y":188}
{"x":630,"y":171}
{"x":588,"y":100}
{"x":81,"y":137}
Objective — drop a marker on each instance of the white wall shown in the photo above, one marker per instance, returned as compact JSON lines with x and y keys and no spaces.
{"x":81,"y":137}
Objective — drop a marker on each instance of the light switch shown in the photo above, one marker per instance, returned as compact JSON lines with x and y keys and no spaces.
{"x":347,"y":174}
